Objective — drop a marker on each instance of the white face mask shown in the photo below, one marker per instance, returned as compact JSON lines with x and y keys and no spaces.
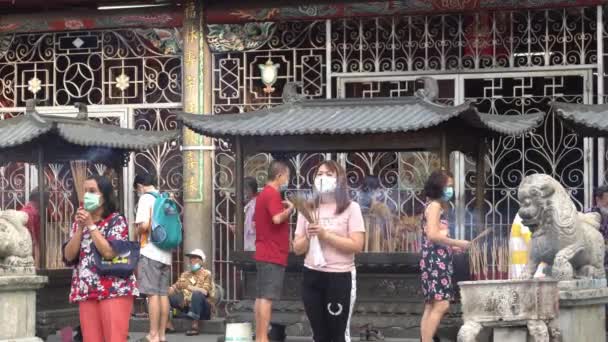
{"x":325,"y":184}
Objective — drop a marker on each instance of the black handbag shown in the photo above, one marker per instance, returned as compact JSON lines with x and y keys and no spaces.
{"x":123,"y":265}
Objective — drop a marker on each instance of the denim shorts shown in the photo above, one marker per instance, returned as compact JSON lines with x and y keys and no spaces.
{"x":269,"y":280}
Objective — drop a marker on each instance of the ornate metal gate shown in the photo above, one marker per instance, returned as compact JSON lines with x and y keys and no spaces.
{"x":127,"y":77}
{"x":509,"y":63}
{"x":550,"y":149}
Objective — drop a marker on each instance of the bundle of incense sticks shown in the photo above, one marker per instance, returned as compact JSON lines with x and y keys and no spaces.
{"x":308,"y":205}
{"x":482,"y":235}
{"x":379,"y":229}
{"x":79,"y":175}
{"x":488,"y":259}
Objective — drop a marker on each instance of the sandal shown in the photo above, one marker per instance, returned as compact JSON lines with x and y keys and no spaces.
{"x":193,"y":332}
{"x":371,"y":334}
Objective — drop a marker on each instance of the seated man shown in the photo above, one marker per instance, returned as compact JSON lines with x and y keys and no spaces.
{"x":193,"y":293}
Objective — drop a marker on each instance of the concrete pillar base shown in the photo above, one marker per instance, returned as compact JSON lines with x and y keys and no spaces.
{"x":18,"y":307}
{"x":582,"y":310}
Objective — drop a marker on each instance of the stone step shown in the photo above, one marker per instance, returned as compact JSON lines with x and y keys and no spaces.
{"x":354,"y":339}
{"x":215,"y":326}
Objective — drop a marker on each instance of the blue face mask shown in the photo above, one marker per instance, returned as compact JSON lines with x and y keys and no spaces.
{"x":195,"y":267}
{"x":448,"y":193}
{"x":283,"y":187}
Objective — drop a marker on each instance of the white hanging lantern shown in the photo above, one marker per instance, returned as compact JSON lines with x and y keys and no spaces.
{"x":269,"y":72}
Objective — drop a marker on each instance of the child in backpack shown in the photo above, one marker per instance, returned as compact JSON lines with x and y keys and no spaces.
{"x":154,"y":269}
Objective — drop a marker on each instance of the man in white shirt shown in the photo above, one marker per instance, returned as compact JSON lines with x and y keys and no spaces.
{"x":154,"y":269}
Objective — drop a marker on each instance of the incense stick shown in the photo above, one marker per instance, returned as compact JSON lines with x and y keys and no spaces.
{"x":482,"y":234}
{"x":484,"y":254}
{"x":79,"y":175}
{"x":308,"y":207}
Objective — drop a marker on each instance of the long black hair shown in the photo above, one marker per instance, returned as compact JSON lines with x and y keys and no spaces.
{"x":107,"y":191}
{"x":342,"y":197}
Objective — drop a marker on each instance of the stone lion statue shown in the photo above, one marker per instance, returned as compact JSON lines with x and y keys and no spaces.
{"x":569,"y":242}
{"x":15,"y":243}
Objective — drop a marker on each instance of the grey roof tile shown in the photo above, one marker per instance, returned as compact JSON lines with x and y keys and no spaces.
{"x":21,"y":130}
{"x":26,"y":128}
{"x":584,"y":116}
{"x":354,"y":116}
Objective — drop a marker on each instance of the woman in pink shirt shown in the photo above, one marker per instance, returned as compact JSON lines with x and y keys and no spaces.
{"x":329,"y":286}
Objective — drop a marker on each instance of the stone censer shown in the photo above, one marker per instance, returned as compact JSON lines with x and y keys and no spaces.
{"x":509,"y":307}
{"x":569,"y":303}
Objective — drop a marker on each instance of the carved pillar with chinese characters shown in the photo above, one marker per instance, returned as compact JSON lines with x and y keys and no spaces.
{"x":197,"y":155}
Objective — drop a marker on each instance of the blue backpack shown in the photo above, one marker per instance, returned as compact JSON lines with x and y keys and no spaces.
{"x":166,"y":230}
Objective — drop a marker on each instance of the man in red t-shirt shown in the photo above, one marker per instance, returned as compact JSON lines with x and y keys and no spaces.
{"x":271,"y":245}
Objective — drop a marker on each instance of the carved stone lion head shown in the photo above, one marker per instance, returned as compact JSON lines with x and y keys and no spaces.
{"x":13,"y":232}
{"x":16,"y":218}
{"x":545,"y":203}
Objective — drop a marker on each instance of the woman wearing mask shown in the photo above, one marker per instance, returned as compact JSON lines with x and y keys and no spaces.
{"x":105,"y":302}
{"x":329,"y":287}
{"x":437,"y":247}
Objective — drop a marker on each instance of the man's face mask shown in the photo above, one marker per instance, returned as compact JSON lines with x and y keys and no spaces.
{"x":285,"y":185}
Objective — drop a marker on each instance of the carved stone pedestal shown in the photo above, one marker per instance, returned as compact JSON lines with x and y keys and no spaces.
{"x":509,"y":306}
{"x":582,"y":310}
{"x":18,"y":307}
{"x":510,"y":334}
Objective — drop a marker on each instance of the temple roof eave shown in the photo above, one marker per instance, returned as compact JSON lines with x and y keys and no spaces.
{"x":347,"y":119}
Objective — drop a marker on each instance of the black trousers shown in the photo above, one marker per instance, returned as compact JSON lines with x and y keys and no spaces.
{"x":328,"y":300}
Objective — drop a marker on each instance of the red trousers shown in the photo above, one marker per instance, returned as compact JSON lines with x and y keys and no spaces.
{"x":106,"y":320}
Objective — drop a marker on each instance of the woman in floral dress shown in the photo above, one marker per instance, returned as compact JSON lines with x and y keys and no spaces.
{"x":105,"y":302}
{"x":437,"y":247}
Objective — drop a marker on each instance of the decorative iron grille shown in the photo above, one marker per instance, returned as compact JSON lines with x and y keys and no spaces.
{"x":485,"y":57}
{"x":485,"y":40}
{"x":136,"y":70}
{"x":93,"y":67}
{"x":550,"y":149}
{"x":13,"y":180}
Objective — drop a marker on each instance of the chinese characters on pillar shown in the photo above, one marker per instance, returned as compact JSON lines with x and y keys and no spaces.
{"x":193,"y":86}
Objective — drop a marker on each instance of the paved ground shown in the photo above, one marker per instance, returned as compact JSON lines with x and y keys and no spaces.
{"x":170,"y":338}
{"x":213,"y":338}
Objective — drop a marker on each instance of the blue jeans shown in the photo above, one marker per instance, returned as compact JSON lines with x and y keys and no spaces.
{"x":198,"y":309}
